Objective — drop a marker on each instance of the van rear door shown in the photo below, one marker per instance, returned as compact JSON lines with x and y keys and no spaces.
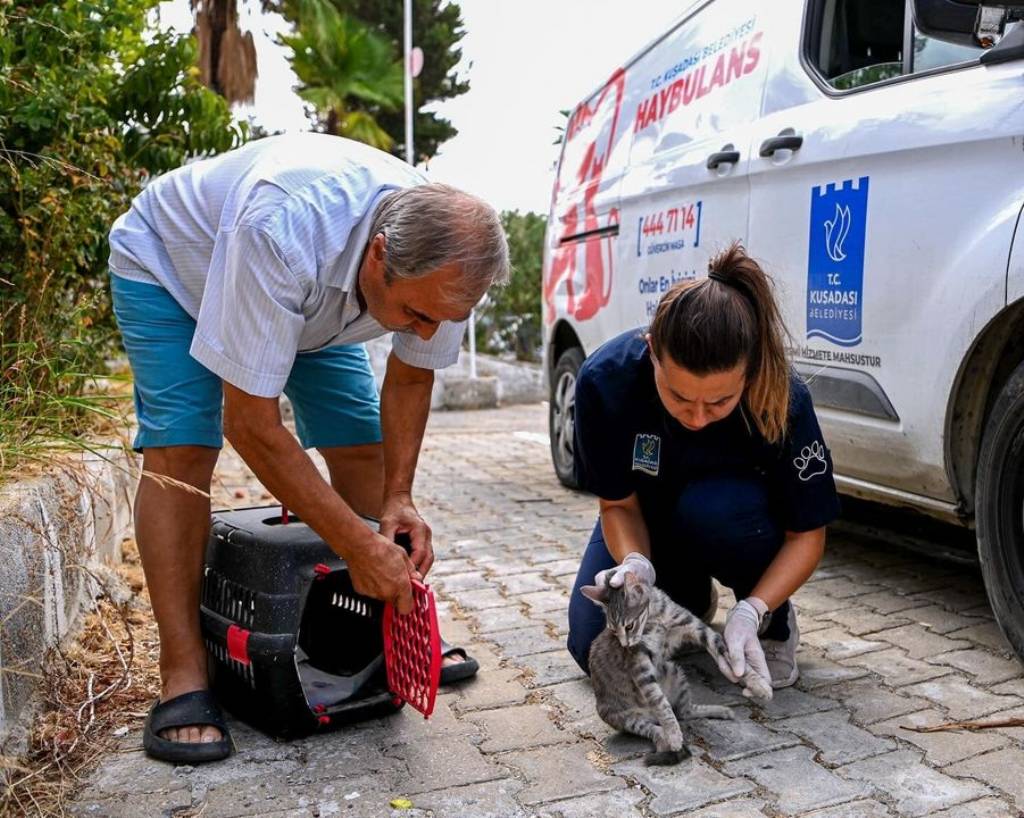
{"x":584,"y":223}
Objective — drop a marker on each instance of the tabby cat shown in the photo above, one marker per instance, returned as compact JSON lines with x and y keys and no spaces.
{"x":638,"y":684}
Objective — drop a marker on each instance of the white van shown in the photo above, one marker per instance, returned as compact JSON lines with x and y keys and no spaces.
{"x":871,"y":155}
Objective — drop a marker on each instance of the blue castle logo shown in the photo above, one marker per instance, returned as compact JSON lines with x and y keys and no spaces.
{"x":835,"y":261}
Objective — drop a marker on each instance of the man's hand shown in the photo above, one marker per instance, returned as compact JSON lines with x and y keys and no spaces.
{"x":379,"y":568}
{"x":382,"y":570}
{"x":400,"y":517}
{"x":745,"y":653}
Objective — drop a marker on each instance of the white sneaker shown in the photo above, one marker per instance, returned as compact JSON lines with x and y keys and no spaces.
{"x":781,"y":656}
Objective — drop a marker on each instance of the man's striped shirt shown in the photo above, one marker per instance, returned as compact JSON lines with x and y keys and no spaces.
{"x":262,"y":246}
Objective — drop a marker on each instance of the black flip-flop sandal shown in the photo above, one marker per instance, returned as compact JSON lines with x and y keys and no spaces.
{"x":457,"y":672}
{"x":196,"y":708}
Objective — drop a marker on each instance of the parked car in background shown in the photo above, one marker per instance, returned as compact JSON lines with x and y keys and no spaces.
{"x":870,"y":153}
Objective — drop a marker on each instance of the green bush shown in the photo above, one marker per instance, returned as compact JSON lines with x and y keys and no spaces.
{"x":93,"y":101}
{"x":508,"y":321}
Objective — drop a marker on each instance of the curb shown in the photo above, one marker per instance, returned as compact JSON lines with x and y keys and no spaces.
{"x":498,"y":382}
{"x":58,"y":532}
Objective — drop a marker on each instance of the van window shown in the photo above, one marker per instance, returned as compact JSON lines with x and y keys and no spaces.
{"x":854,"y":43}
{"x":931,"y":53}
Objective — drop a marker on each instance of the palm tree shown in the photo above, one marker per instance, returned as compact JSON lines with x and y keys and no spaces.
{"x":339,"y":60}
{"x":227,"y":57}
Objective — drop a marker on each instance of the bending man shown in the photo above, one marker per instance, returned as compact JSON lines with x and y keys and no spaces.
{"x":258,"y":272}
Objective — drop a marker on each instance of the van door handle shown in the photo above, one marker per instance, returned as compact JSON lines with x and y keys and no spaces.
{"x":723,"y":158}
{"x":780,"y":143}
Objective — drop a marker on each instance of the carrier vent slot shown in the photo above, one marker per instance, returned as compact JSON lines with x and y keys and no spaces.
{"x":347,"y":603}
{"x":229,"y":599}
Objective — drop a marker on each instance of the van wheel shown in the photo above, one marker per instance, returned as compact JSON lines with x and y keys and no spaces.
{"x":1000,"y":509}
{"x":562,"y":414}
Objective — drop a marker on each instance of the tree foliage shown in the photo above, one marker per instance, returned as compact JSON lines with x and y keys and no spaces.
{"x":346,"y":71}
{"x":437,"y":29}
{"x":92,"y":102}
{"x":510,"y":319}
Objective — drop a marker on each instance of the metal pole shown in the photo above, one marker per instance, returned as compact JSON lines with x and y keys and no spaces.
{"x":472,"y":344}
{"x":407,"y":4}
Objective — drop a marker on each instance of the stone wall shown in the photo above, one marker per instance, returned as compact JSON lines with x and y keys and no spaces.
{"x":58,"y":531}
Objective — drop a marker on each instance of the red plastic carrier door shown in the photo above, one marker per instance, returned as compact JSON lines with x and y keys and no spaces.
{"x":412,"y":651}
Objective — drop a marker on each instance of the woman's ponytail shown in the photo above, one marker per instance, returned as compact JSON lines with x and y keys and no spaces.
{"x":710,"y":325}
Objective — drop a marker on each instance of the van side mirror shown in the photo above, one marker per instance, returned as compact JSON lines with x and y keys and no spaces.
{"x":966,"y":22}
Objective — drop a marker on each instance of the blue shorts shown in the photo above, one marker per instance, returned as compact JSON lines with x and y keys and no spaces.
{"x":178,"y":400}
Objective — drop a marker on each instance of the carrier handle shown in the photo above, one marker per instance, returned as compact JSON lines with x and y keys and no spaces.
{"x":267,"y":647}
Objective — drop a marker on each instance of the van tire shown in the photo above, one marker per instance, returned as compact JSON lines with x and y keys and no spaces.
{"x":1000,"y":509}
{"x":561,"y":414}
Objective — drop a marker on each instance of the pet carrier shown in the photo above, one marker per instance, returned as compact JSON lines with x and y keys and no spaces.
{"x":293,"y":648}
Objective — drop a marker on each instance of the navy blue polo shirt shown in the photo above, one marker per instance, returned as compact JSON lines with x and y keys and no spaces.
{"x":627,"y":442}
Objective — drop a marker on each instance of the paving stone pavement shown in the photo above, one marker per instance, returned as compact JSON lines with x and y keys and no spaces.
{"x":892,"y":640}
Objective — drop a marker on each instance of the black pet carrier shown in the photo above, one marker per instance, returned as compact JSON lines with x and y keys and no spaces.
{"x":293,"y":648}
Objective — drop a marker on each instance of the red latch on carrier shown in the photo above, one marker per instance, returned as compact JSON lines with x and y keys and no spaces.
{"x":412,"y":650}
{"x":321,"y":570}
{"x":238,"y":644}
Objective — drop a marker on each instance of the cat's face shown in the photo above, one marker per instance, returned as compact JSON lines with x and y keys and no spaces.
{"x":625,"y":609}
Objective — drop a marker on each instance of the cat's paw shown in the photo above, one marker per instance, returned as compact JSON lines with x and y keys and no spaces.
{"x":665,"y":758}
{"x":722,"y":660}
{"x":755,"y":687}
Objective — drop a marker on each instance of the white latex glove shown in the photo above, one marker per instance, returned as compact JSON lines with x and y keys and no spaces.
{"x":634,"y":563}
{"x":745,"y":653}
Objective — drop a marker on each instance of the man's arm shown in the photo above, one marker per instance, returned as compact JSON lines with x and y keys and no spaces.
{"x":405,"y":405}
{"x":380,"y":569}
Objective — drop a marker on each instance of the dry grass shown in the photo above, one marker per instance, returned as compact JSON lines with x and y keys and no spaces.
{"x":98,"y":687}
{"x":94,"y":690}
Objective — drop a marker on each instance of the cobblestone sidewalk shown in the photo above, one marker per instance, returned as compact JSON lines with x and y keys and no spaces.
{"x":890,"y":639}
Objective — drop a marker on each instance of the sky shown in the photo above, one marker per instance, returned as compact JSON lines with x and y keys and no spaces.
{"x":525,"y":61}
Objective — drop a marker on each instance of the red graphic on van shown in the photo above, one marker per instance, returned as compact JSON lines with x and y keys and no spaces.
{"x":580,"y":218}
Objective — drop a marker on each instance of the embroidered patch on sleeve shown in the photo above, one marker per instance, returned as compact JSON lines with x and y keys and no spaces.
{"x":811,"y":463}
{"x":647,"y":454}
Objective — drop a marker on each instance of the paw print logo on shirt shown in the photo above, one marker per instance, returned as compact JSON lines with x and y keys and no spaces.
{"x":811,"y":463}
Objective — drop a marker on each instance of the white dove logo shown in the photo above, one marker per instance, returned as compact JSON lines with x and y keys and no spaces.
{"x":835,"y":233}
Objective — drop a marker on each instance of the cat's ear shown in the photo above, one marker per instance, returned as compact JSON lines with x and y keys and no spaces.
{"x":635,"y":586}
{"x":636,"y":589}
{"x":599,"y":596}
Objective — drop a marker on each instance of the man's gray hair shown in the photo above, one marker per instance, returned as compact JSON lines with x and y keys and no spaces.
{"x":430,"y":226}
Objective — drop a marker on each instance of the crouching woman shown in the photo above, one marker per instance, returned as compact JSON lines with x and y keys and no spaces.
{"x":704,"y":450}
